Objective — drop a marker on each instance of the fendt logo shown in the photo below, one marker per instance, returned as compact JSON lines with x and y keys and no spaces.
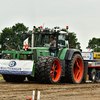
{"x":12,"y":64}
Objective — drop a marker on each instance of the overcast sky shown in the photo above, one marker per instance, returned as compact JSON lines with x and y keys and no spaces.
{"x":82,"y":16}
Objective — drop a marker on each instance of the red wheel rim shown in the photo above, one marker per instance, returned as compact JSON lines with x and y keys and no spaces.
{"x":55,"y":71}
{"x":78,"y":69}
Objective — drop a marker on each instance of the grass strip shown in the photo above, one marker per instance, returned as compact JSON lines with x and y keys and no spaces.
{"x":1,"y":77}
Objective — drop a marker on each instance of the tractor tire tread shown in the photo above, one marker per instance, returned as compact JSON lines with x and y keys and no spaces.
{"x":42,"y":69}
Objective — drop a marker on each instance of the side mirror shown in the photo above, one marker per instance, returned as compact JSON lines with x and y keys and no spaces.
{"x":67,"y":37}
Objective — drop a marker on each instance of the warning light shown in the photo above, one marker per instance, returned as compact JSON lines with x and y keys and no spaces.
{"x":40,"y":26}
{"x":58,"y":47}
{"x":67,"y":27}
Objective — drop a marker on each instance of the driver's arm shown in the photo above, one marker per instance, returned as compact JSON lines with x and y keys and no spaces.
{"x":53,"y":42}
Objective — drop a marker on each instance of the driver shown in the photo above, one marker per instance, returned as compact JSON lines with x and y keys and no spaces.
{"x":53,"y":42}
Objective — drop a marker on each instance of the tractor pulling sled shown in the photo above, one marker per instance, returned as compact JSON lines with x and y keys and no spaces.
{"x":49,"y":64}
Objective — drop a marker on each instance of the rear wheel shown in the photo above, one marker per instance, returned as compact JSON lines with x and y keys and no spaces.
{"x":48,"y":70}
{"x":13,"y":78}
{"x":75,"y":69}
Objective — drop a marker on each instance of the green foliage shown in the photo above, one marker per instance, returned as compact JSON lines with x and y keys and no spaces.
{"x":14,"y":36}
{"x":73,"y":40}
{"x":94,"y":44}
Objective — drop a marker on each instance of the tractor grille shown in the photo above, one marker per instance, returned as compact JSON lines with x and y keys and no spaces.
{"x":34,"y":54}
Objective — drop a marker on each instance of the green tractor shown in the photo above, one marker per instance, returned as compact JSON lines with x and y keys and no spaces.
{"x":43,"y":62}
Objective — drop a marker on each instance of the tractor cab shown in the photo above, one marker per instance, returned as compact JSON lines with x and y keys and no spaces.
{"x":42,"y":38}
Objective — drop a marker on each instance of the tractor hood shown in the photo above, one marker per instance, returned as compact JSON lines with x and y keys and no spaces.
{"x":40,"y":48}
{"x":39,"y":52}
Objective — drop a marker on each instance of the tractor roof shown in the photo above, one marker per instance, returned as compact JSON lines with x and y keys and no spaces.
{"x":50,"y":32}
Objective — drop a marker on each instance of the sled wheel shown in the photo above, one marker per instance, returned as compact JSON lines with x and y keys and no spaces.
{"x":92,"y":74}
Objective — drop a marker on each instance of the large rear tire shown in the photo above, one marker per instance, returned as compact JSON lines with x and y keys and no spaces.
{"x":48,"y":70}
{"x":75,"y":69}
{"x":13,"y":78}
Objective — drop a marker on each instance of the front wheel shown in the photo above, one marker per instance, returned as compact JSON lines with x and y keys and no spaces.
{"x":30,"y":78}
{"x":13,"y":78}
{"x":75,"y":69}
{"x":48,"y":70}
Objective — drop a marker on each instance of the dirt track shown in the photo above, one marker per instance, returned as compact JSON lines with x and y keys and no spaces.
{"x":20,"y":91}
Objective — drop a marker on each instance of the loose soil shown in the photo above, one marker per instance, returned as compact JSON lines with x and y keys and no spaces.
{"x":20,"y":91}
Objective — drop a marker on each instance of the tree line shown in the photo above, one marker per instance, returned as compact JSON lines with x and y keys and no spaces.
{"x":15,"y":35}
{"x":94,"y":44}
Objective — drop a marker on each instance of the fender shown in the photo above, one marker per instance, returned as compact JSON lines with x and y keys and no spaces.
{"x":70,"y":53}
